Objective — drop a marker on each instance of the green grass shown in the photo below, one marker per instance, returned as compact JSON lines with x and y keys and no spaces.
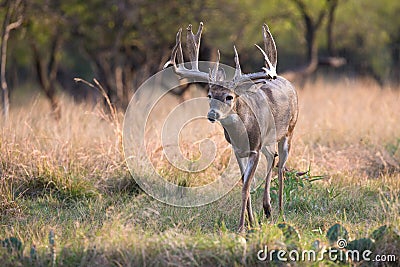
{"x":133,"y":229}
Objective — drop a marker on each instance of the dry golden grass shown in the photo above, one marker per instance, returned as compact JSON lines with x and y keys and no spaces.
{"x":347,"y":127}
{"x":77,"y":155}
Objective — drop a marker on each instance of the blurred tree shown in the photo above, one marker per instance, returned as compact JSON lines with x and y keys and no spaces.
{"x":366,"y":30}
{"x":46,"y":35}
{"x":312,"y":15}
{"x":390,"y":10}
{"x":131,"y":40}
{"x":332,"y":7}
{"x":12,"y":20}
{"x":116,"y":43}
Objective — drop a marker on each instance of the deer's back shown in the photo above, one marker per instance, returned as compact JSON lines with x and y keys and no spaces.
{"x":282,"y":99}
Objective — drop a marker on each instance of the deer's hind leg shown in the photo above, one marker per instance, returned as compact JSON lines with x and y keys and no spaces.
{"x":270,"y":156}
{"x":283,"y":150}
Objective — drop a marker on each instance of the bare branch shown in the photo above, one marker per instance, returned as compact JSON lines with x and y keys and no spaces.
{"x":15,"y":24}
{"x":320,"y":18}
{"x":53,"y":63}
{"x":112,"y":108}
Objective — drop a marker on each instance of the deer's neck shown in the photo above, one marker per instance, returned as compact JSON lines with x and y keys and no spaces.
{"x":242,"y":129}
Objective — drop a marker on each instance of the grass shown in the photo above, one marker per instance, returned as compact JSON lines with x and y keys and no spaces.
{"x":69,"y":178}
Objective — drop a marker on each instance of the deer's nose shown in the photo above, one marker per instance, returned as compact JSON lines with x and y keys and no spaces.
{"x":212,"y":115}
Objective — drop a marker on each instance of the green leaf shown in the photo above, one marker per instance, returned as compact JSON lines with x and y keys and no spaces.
{"x":361,"y":245}
{"x":12,"y":244}
{"x":292,"y":236}
{"x":337,"y":232}
{"x":377,"y":234}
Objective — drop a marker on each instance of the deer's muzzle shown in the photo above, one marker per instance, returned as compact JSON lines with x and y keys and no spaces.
{"x":212,"y":115}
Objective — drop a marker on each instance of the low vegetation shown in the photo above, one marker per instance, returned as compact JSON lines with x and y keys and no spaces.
{"x":68,"y":199}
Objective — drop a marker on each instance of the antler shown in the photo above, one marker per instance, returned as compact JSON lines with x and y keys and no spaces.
{"x":193,"y":45}
{"x":217,"y":74}
{"x":269,"y":46}
{"x":270,"y":58}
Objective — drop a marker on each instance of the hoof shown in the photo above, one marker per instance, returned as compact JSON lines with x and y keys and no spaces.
{"x":241,"y":229}
{"x":267,"y":211}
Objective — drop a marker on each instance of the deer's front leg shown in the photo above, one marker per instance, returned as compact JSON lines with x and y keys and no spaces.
{"x":247,"y":178}
{"x":242,"y":165}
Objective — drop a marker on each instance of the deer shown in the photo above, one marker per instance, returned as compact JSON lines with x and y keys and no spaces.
{"x":258,"y":112}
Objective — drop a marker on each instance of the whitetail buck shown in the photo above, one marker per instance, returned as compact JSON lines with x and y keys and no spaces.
{"x":264,"y":103}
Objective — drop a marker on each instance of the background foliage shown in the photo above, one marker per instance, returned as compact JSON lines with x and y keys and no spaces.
{"x":122,"y":42}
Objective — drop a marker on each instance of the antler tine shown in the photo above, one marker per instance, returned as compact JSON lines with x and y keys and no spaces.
{"x":270,"y":57}
{"x":270,"y":46}
{"x":179,"y":48}
{"x":257,"y":76}
{"x":238,"y":71}
{"x":193,"y":45}
{"x":214,"y":73}
{"x":270,"y":70}
{"x":176,"y":49}
{"x":270,"y":54}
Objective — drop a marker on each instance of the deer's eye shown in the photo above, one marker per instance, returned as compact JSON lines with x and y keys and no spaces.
{"x":229,"y":98}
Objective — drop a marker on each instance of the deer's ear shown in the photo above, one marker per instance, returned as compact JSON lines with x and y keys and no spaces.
{"x":216,"y":75}
{"x":221,"y":76}
{"x":245,"y":88}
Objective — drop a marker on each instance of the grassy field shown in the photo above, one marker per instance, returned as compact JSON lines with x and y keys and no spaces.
{"x":68,"y":199}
